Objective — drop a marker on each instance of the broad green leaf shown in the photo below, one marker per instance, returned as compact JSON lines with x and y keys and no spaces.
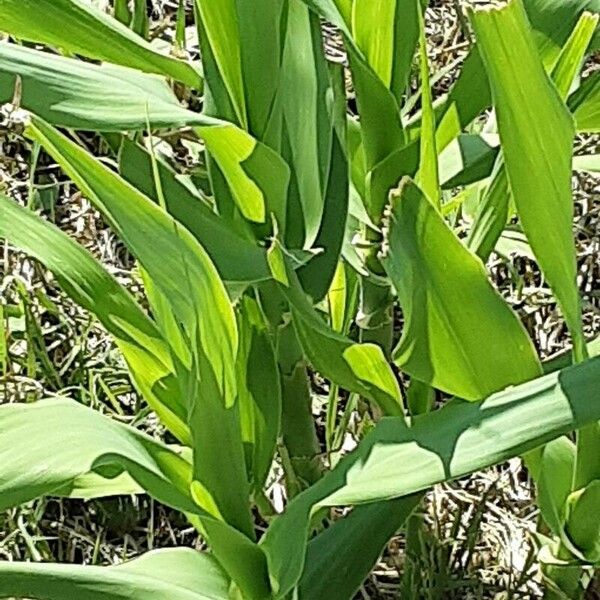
{"x":397,"y":459}
{"x":572,"y":55}
{"x":428,"y":176}
{"x":381,"y":124}
{"x":459,"y":335}
{"x":177,"y":574}
{"x":259,"y":391}
{"x":221,"y":483}
{"x":552,"y":469}
{"x":298,"y":430}
{"x":48,"y":445}
{"x":373,"y":28}
{"x":360,"y":368}
{"x":178,"y":265}
{"x":334,"y":569}
{"x":231,"y":147}
{"x":260,"y":29}
{"x":257,"y":176}
{"x":183,"y":273}
{"x":386,"y":32}
{"x":220,"y":25}
{"x":66,"y":92}
{"x":51,"y":447}
{"x":317,"y":274}
{"x":492,"y":212}
{"x":585,"y":104}
{"x":582,"y":525}
{"x":75,"y":26}
{"x":82,"y":278}
{"x":306,"y":119}
{"x":235,"y":257}
{"x":536,"y":132}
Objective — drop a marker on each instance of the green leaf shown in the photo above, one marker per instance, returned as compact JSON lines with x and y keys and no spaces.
{"x":381,"y":124}
{"x":65,"y":92}
{"x":459,"y":334}
{"x":492,"y":212}
{"x":582,"y":525}
{"x":230,"y":147}
{"x":571,"y":57}
{"x":78,"y":27}
{"x":259,"y":392}
{"x":176,"y":262}
{"x":183,"y":273}
{"x":373,"y":28}
{"x":334,"y":569}
{"x":48,"y":445}
{"x":257,"y":176}
{"x":397,"y":459}
{"x":52,"y":447}
{"x":88,"y":283}
{"x":122,"y":12}
{"x":174,"y":573}
{"x":387,"y":32}
{"x":552,"y":469}
{"x":585,"y":104}
{"x":360,"y":368}
{"x":235,"y":257}
{"x":536,"y":132}
{"x":553,"y":22}
{"x":220,"y":25}
{"x":428,"y":176}
{"x":317,"y":275}
{"x":260,"y":27}
{"x":306,"y":118}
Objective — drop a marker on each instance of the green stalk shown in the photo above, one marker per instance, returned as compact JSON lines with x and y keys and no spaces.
{"x":298,"y":427}
{"x":376,"y":320}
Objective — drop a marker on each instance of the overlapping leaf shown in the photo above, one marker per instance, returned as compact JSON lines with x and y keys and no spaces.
{"x":92,"y":287}
{"x":459,"y":335}
{"x":237,"y":258}
{"x":360,"y":368}
{"x":70,"y":93}
{"x":397,"y":459}
{"x":53,"y":446}
{"x":79,"y":441}
{"x":537,"y":133}
{"x":183,"y":273}
{"x":78,"y":27}
{"x":177,"y":574}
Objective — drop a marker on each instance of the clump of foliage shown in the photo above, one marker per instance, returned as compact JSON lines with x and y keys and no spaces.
{"x":288,"y":254}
